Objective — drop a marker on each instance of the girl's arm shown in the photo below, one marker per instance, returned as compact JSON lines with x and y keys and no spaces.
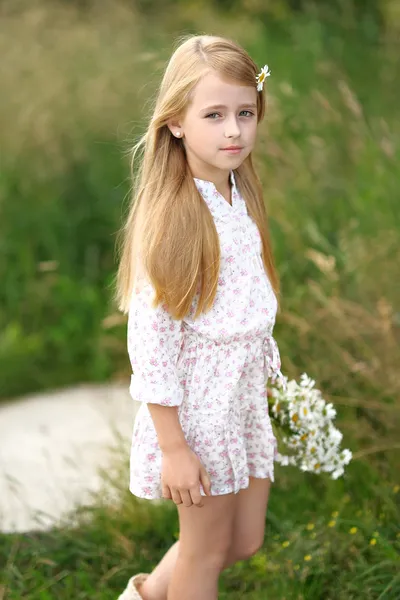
{"x":154,"y":343}
{"x":169,"y":431}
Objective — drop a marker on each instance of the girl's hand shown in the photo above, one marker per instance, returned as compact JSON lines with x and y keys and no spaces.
{"x":182,"y":473}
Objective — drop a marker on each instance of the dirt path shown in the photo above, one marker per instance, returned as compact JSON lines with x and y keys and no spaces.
{"x":51,"y":447}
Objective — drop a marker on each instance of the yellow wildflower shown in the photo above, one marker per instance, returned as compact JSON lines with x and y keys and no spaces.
{"x":372,"y":541}
{"x":396,"y":489}
{"x":332,"y":523}
{"x":310,"y":526}
{"x":307,"y":557}
{"x":353,"y":530}
{"x":285,"y":544}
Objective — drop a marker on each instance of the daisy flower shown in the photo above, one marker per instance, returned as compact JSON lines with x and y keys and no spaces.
{"x":265,"y":72}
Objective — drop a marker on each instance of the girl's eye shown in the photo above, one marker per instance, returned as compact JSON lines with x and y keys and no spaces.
{"x":214,"y":115}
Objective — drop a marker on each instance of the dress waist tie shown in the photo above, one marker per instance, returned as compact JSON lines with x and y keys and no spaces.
{"x":273,"y":361}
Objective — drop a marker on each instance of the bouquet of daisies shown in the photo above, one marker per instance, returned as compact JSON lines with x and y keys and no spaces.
{"x":306,"y":421}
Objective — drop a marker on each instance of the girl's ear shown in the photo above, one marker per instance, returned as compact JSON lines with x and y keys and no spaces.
{"x":175,"y":127}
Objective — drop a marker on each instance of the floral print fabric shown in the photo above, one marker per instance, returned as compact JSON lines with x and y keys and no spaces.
{"x":214,"y":368}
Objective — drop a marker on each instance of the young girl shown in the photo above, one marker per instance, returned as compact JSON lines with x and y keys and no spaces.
{"x":197,"y":278}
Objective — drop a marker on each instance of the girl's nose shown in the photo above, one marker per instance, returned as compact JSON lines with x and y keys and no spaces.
{"x":231,"y":128}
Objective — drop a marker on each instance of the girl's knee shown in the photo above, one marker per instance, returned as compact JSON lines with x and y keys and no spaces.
{"x":212,"y":556}
{"x":246,"y":549}
{"x":206,"y":534}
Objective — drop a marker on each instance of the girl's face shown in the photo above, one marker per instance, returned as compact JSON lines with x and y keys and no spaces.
{"x":219,"y":126}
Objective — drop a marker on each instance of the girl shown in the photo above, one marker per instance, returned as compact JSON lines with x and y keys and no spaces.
{"x":197,"y":278}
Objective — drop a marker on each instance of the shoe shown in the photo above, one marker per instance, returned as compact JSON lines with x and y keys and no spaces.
{"x":132,"y":590}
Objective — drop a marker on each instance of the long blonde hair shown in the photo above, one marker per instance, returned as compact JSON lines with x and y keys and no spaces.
{"x":169,"y":226}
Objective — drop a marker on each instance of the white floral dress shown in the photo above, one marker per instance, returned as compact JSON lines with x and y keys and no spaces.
{"x":214,"y":369}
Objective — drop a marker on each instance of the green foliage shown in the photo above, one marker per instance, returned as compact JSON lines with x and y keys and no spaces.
{"x":325,"y":541}
{"x":56,"y":270}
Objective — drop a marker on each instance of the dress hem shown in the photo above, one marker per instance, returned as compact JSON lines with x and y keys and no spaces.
{"x":137,"y":491}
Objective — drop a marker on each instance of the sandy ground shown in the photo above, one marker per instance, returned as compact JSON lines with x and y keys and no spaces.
{"x":52,"y":447}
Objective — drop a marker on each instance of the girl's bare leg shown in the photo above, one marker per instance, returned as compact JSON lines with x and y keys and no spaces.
{"x":248,"y":534}
{"x":249,"y":521}
{"x":156,"y":585}
{"x":190,"y":570}
{"x":205,"y":539}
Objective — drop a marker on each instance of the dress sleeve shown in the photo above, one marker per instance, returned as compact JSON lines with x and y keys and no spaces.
{"x":154,"y":342}
{"x":273,"y":361}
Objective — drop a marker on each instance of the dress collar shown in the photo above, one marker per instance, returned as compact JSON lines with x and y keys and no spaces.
{"x":219,"y":207}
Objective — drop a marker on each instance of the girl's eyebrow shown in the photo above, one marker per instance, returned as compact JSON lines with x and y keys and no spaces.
{"x":218,"y":106}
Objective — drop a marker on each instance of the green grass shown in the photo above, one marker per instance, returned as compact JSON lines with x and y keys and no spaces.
{"x":324,"y":539}
{"x":78,"y":87}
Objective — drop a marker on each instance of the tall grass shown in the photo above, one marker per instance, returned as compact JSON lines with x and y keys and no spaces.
{"x":77,"y":84}
{"x":324,"y":540}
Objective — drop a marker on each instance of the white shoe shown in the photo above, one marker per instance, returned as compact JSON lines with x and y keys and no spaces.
{"x":132,"y":590}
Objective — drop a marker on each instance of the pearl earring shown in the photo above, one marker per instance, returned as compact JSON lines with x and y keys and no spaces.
{"x":178,"y":133}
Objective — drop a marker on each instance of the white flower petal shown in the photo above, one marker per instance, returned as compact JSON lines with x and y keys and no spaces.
{"x":265,"y":72}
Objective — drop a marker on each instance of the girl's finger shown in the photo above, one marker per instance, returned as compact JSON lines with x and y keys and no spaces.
{"x":166,"y":492}
{"x":196,"y":496}
{"x":176,"y":497}
{"x":205,"y":481}
{"x":186,"y":498}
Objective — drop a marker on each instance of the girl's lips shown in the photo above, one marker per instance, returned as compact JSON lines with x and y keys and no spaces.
{"x":233,"y":149}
